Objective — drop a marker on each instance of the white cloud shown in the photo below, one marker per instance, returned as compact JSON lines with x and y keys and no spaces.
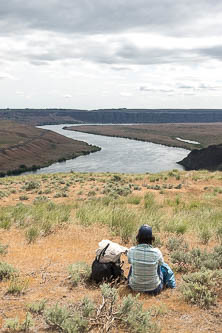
{"x":167,"y":48}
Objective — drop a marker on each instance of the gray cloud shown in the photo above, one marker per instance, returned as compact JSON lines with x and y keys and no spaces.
{"x":101,"y":16}
{"x":211,"y":52}
{"x":118,"y":52}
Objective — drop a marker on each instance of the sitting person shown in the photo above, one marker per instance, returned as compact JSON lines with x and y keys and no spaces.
{"x":148,"y":272}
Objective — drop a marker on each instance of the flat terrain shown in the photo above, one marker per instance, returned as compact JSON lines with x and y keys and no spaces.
{"x":24,"y":146}
{"x":51,"y":221}
{"x":166,"y":134}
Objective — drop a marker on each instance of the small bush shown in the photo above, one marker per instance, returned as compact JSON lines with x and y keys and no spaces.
{"x":79,"y":272}
{"x":65,"y":320}
{"x":6,"y":271}
{"x":196,"y":259}
{"x":31,"y":186}
{"x":37,"y":307}
{"x":137,"y":320}
{"x":201,"y":288}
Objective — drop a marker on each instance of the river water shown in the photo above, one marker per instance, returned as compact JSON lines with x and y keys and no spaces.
{"x":117,"y":155}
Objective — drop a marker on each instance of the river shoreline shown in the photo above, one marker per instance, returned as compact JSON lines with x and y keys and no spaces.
{"x":158,"y":142}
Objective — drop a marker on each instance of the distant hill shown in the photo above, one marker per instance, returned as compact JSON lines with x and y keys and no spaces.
{"x":58,"y":116}
{"x":24,"y":147}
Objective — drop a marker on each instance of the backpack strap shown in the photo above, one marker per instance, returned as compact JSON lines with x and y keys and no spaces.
{"x":102,"y":253}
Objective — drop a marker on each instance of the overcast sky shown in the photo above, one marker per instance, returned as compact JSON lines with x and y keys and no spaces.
{"x":90,"y":54}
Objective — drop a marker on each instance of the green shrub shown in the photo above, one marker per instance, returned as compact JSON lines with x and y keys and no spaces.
{"x":6,"y":271}
{"x":201,"y":288}
{"x":136,"y":320}
{"x":79,"y":272}
{"x":196,"y":259}
{"x":37,"y":307}
{"x":65,"y":320}
{"x":32,"y":185}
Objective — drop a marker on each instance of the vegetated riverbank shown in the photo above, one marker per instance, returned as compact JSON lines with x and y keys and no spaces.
{"x":166,"y":134}
{"x":26,"y":148}
{"x":50,"y":223}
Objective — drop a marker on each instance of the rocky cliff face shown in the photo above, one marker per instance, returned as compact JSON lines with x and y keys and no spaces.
{"x":209,"y":158}
{"x":106,"y":116}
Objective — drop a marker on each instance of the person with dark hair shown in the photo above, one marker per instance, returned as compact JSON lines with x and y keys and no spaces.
{"x":148,"y":272}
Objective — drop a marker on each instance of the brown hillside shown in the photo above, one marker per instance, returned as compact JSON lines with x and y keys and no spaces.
{"x":23,"y":145}
{"x":166,"y":134}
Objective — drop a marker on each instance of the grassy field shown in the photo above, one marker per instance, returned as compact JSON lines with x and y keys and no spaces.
{"x":24,"y":147}
{"x":205,"y":134}
{"x":51,"y":223}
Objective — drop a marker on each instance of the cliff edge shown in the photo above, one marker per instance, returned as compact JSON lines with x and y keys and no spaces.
{"x":209,"y":158}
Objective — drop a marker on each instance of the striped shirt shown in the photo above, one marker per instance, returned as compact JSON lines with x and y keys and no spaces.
{"x":144,"y":260}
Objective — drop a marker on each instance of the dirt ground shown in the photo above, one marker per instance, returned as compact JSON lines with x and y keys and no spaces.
{"x":43,"y":265}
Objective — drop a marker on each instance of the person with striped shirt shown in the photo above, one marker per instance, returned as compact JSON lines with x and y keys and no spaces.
{"x":146,"y":261}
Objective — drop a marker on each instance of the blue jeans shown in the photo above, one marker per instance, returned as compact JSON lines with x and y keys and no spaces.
{"x":155,"y":291}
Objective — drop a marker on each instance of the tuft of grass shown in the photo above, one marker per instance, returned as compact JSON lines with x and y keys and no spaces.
{"x":17,"y":286}
{"x":205,"y":235}
{"x":134,"y":199}
{"x":32,"y":234}
{"x":3,"y":249}
{"x":149,"y":201}
{"x":13,"y":324}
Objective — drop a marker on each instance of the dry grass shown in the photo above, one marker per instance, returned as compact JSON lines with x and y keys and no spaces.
{"x":205,"y":134}
{"x":44,"y":263}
